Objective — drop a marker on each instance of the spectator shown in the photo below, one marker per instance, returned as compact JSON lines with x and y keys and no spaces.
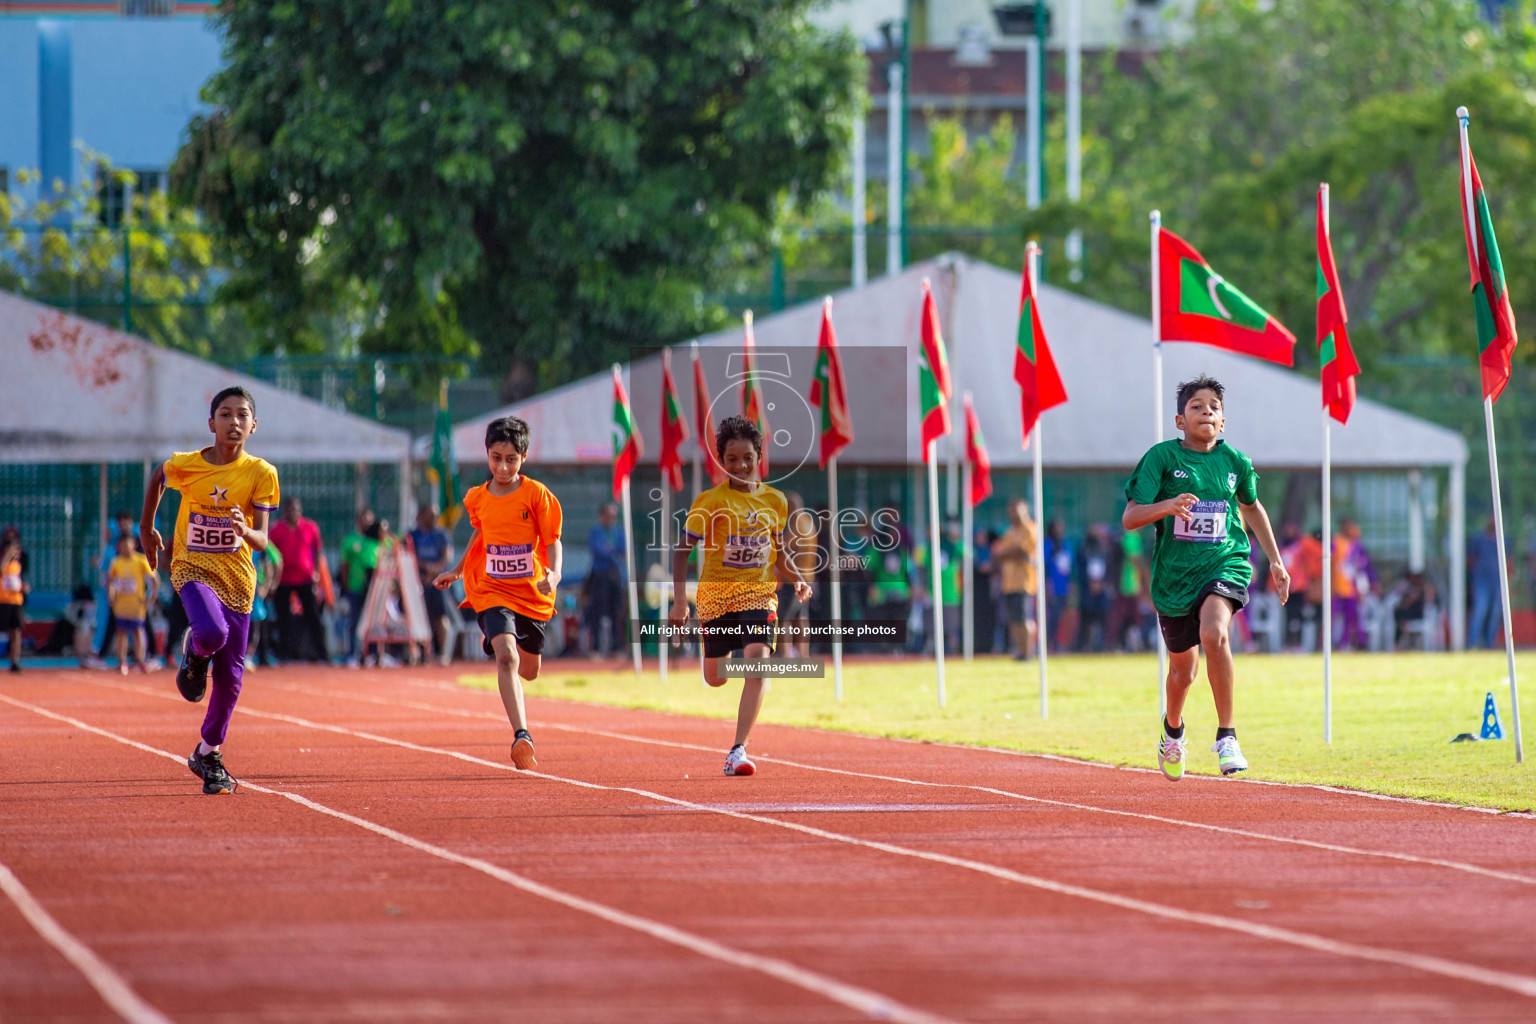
{"x":800,"y":549}
{"x":297,"y":540}
{"x":1353,"y":578}
{"x":1015,"y":555}
{"x":1058,"y":580}
{"x":1132,"y":582}
{"x":1487,"y":605}
{"x":434,"y":554}
{"x":13,"y":591}
{"x":951,"y":585}
{"x":1414,"y":594}
{"x":605,"y":580}
{"x":890,"y":574}
{"x":985,"y":607}
{"x":1303,"y":556}
{"x":269,"y":569}
{"x":1095,"y":590}
{"x":359,"y":558}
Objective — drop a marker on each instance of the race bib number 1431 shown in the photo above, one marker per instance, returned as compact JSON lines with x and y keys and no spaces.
{"x":1207,"y":523}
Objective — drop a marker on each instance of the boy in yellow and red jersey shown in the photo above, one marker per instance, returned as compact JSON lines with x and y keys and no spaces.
{"x":740,"y":524}
{"x":131,"y":587}
{"x":510,"y":569}
{"x":227,"y":495}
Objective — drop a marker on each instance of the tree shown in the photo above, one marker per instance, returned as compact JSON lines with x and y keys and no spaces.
{"x":547,"y":182}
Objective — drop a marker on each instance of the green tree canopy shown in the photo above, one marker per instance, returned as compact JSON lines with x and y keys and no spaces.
{"x":548,"y":182}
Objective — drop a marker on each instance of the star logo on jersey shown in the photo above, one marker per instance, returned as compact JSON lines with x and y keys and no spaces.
{"x":752,"y":517}
{"x":219,"y":495}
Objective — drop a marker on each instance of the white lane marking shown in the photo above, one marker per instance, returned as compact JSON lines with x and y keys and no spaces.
{"x":113,"y":989}
{"x":1520,"y":984}
{"x":863,"y":1000}
{"x":1406,"y":858}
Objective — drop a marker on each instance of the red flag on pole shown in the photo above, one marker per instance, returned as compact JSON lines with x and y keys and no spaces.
{"x":627,"y":445}
{"x":1034,"y":370}
{"x":1199,"y":305}
{"x":976,"y":455}
{"x":674,"y":429}
{"x":828,"y":391}
{"x":1496,"y":337}
{"x":753,"y":406}
{"x":1335,"y":356}
{"x":933,"y":385}
{"x":703,"y":423}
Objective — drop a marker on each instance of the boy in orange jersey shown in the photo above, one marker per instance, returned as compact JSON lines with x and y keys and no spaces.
{"x":227,"y":494}
{"x":510,"y":569}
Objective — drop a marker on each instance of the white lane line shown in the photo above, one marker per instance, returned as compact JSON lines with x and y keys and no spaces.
{"x":1519,"y":984}
{"x":1406,"y":858}
{"x":113,"y":989}
{"x":865,"y":1001}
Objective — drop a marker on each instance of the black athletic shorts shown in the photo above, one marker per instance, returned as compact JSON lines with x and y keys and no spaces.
{"x":528,"y":632}
{"x":1019,"y":607}
{"x":10,"y":616}
{"x":755,"y":626}
{"x":1181,"y":632}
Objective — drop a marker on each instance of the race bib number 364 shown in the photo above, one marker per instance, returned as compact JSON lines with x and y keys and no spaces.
{"x":214,"y":534}
{"x":509,"y":561}
{"x":747,"y":552}
{"x":1207,"y":523}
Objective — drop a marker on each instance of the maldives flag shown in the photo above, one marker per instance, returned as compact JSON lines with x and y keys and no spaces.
{"x":828,"y":391}
{"x":976,"y":455}
{"x":1199,"y":305}
{"x":704,"y":426}
{"x":627,"y":445}
{"x":1334,"y":355}
{"x":933,"y":387}
{"x":1034,"y":370}
{"x":674,"y":429}
{"x":753,"y":407}
{"x":1490,"y":298}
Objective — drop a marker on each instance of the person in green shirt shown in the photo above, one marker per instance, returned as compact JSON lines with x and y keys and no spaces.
{"x":359,"y":557}
{"x":1187,"y":487}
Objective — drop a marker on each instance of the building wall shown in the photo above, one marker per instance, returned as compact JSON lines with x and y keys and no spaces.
{"x":1105,"y":23}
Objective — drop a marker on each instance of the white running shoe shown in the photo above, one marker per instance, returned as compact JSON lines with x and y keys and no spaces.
{"x":736,"y":762}
{"x":1229,"y":756}
{"x":1170,"y":756}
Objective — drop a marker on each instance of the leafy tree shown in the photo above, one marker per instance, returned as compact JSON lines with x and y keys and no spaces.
{"x":549,"y":182}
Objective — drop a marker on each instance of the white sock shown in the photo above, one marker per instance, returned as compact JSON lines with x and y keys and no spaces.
{"x":203,"y":749}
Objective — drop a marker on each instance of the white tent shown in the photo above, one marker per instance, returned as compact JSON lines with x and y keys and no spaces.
{"x":1104,"y":355}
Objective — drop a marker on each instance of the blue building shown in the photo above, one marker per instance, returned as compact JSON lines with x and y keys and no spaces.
{"x":117,"y":78}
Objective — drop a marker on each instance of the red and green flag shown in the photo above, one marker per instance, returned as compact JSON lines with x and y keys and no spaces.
{"x":976,"y":456}
{"x":933,"y":386}
{"x":627,"y":444}
{"x":1335,"y":356}
{"x":1034,"y":369}
{"x":440,"y":468}
{"x":753,"y":405}
{"x":674,"y":429}
{"x":828,"y":391}
{"x":1496,"y":337}
{"x":703,"y":423}
{"x":1199,"y":305}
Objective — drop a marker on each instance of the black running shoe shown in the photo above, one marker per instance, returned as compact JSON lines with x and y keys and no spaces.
{"x":210,"y":768}
{"x":192,"y":676}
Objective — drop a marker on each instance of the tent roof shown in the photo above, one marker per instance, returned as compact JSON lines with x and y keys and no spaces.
{"x":1274,"y":414}
{"x":76,"y":391}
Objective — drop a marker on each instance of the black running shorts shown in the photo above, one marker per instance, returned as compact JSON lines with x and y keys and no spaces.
{"x":733,"y":631}
{"x":1181,"y":632}
{"x":528,"y":632}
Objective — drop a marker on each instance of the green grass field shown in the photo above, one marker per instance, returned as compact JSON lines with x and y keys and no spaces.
{"x":1393,"y":715}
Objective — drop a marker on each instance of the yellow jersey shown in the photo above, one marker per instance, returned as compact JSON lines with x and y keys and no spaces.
{"x":128,"y":582}
{"x":207,"y":548}
{"x":741,"y":534}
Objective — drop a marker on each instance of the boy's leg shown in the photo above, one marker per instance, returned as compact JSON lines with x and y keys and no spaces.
{"x":141,"y":644}
{"x":504,"y":647}
{"x":227,"y":673}
{"x":1181,"y":676}
{"x":1215,"y":638}
{"x":207,"y":625}
{"x":751,"y":696}
{"x":120,"y":643}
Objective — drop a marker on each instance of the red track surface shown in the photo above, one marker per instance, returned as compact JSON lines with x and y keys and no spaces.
{"x":942,"y":901}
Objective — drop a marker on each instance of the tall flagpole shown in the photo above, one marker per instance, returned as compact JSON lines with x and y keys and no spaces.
{"x":1493,"y":465}
{"x":835,"y":545}
{"x":1327,"y":542}
{"x":1032,"y":268}
{"x":629,"y":562}
{"x":933,"y":562}
{"x":666,"y":561}
{"x":967,"y":564}
{"x":1157,"y":423}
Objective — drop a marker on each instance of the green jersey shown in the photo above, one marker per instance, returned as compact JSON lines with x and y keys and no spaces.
{"x":1213,"y":545}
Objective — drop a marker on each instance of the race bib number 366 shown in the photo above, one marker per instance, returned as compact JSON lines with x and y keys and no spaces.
{"x":1207,"y":523}
{"x":211,"y":534}
{"x":509,"y":561}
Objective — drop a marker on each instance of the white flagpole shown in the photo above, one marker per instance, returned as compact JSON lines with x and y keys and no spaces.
{"x":1157,"y":424}
{"x":834,"y":542}
{"x":933,"y":561}
{"x":967,"y":565}
{"x":1032,"y":268}
{"x":1327,"y":547}
{"x":1493,"y":467}
{"x":629,"y":561}
{"x":663,"y":643}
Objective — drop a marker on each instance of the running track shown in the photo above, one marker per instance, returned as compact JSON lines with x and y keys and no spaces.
{"x":382,"y":862}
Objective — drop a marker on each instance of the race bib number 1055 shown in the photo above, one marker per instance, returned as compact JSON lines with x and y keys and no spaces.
{"x":509,"y":561}
{"x":1207,"y":523}
{"x":215,"y":534}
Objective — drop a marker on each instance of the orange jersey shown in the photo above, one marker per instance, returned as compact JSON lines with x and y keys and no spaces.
{"x":207,"y":549}
{"x":12,"y":588}
{"x":506,"y":560}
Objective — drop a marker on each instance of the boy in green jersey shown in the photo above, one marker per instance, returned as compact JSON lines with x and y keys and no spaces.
{"x":1187,"y":487}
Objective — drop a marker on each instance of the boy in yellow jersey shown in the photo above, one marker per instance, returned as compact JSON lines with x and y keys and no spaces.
{"x":131,"y":587}
{"x":740,"y":525}
{"x":510,"y":568}
{"x":227,"y":495}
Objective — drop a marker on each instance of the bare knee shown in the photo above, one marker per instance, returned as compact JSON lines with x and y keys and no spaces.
{"x":506,"y":657}
{"x":528,"y":666}
{"x":712,"y":674}
{"x":1214,"y":637}
{"x":1181,"y":670}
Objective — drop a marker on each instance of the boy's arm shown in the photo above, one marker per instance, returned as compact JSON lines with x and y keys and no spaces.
{"x":1257,"y":520}
{"x":680,"y":556}
{"x":149,"y":537}
{"x":1136,"y":515}
{"x":448,"y":576}
{"x":253,"y":532}
{"x":554,"y":555}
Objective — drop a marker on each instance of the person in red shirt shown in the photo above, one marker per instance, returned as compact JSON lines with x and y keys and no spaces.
{"x":510,"y":569}
{"x":298,"y":541}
